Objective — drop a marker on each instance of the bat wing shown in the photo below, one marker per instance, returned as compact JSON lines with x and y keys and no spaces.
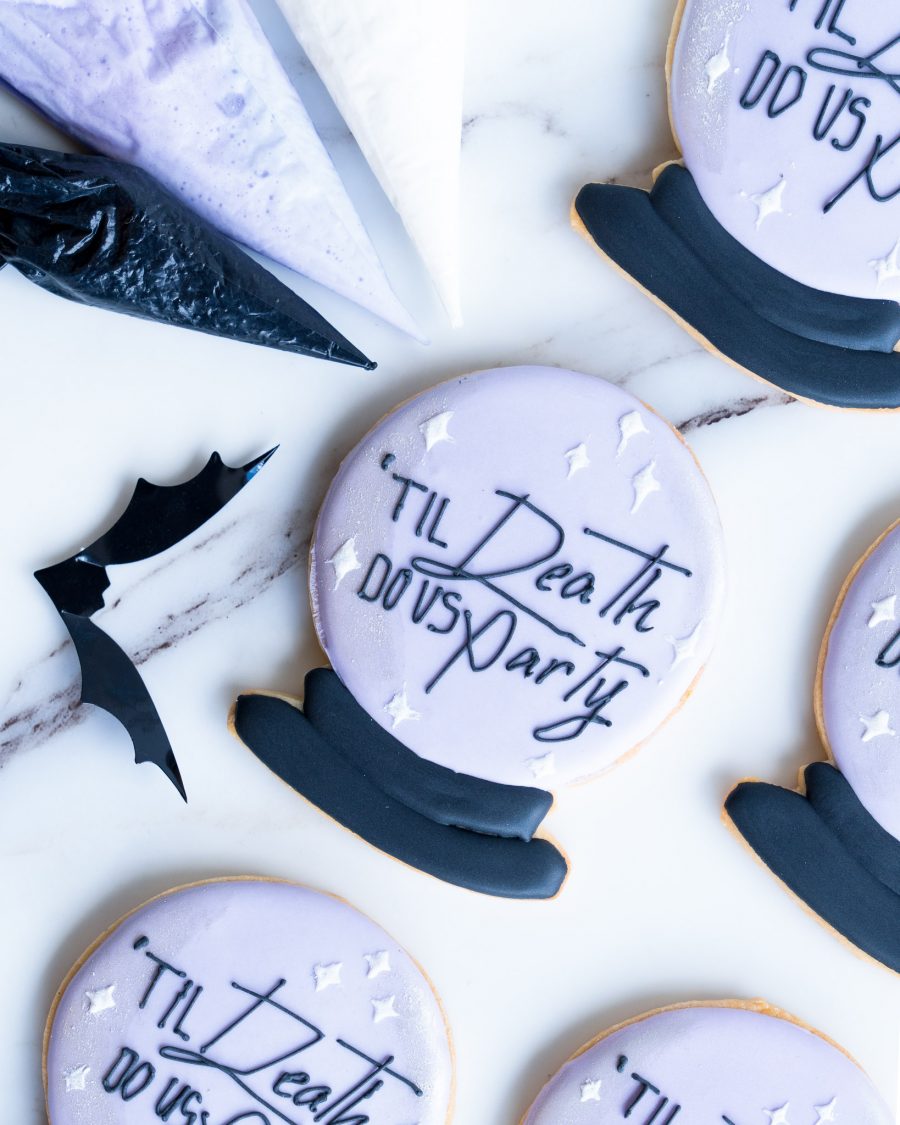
{"x":157,"y":517}
{"x":109,"y":680}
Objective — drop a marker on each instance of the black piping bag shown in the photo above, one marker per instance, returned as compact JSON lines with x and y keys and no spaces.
{"x":105,"y":233}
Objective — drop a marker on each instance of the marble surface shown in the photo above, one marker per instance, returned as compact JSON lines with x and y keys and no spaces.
{"x":663,"y":905}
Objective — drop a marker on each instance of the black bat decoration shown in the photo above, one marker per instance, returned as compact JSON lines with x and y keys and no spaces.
{"x":157,"y":517}
{"x":105,"y":233}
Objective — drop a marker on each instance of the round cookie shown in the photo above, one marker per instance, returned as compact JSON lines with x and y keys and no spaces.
{"x":858,"y":685}
{"x":738,"y":1063}
{"x":788,"y":119}
{"x":519,"y":574}
{"x":247,"y":1000}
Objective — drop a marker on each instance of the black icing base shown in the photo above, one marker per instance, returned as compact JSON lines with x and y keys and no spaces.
{"x":444,"y":796}
{"x":828,"y":850}
{"x":821,"y":346}
{"x":464,"y":830}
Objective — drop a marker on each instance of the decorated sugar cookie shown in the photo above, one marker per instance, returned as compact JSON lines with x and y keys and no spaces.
{"x":836,"y":844}
{"x":252,"y":1001}
{"x":737,"y":1063}
{"x":516,"y":577}
{"x":776,"y":240}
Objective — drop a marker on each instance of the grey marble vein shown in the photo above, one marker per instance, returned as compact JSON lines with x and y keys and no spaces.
{"x":736,"y":408}
{"x":690,"y":349}
{"x":512,"y":110}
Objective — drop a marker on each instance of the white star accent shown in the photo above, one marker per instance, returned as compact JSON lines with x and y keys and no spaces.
{"x":378,"y":963}
{"x":887,"y":269}
{"x":384,"y":1009}
{"x":344,"y":560}
{"x":544,"y":766}
{"x":885,"y":610}
{"x":684,"y":647}
{"x":76,"y":1078}
{"x":778,"y":1116}
{"x":101,"y":1000}
{"x":769,"y":202}
{"x":327,"y":975}
{"x":630,"y":425}
{"x":435,"y":430}
{"x":644,"y":483}
{"x":718,"y":66}
{"x":400,"y":710}
{"x":877,"y":726}
{"x":578,"y":459}
{"x":826,"y":1112}
{"x":590,"y":1089}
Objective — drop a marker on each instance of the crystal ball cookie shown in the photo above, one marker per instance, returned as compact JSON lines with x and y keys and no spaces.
{"x":519,"y":574}
{"x":834,"y":842}
{"x":247,"y":1000}
{"x":734,"y":1063}
{"x":774,"y":239}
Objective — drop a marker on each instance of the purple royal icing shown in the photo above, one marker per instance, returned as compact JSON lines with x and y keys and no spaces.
{"x":193,"y":93}
{"x":350,"y":994}
{"x":860,"y":687}
{"x":767,"y":179}
{"x":709,"y":1065}
{"x":588,"y":456}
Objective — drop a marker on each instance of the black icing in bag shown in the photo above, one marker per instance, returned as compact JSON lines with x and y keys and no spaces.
{"x":106,"y":233}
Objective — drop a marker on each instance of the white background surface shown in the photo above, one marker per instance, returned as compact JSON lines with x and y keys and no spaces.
{"x":662,"y":904}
